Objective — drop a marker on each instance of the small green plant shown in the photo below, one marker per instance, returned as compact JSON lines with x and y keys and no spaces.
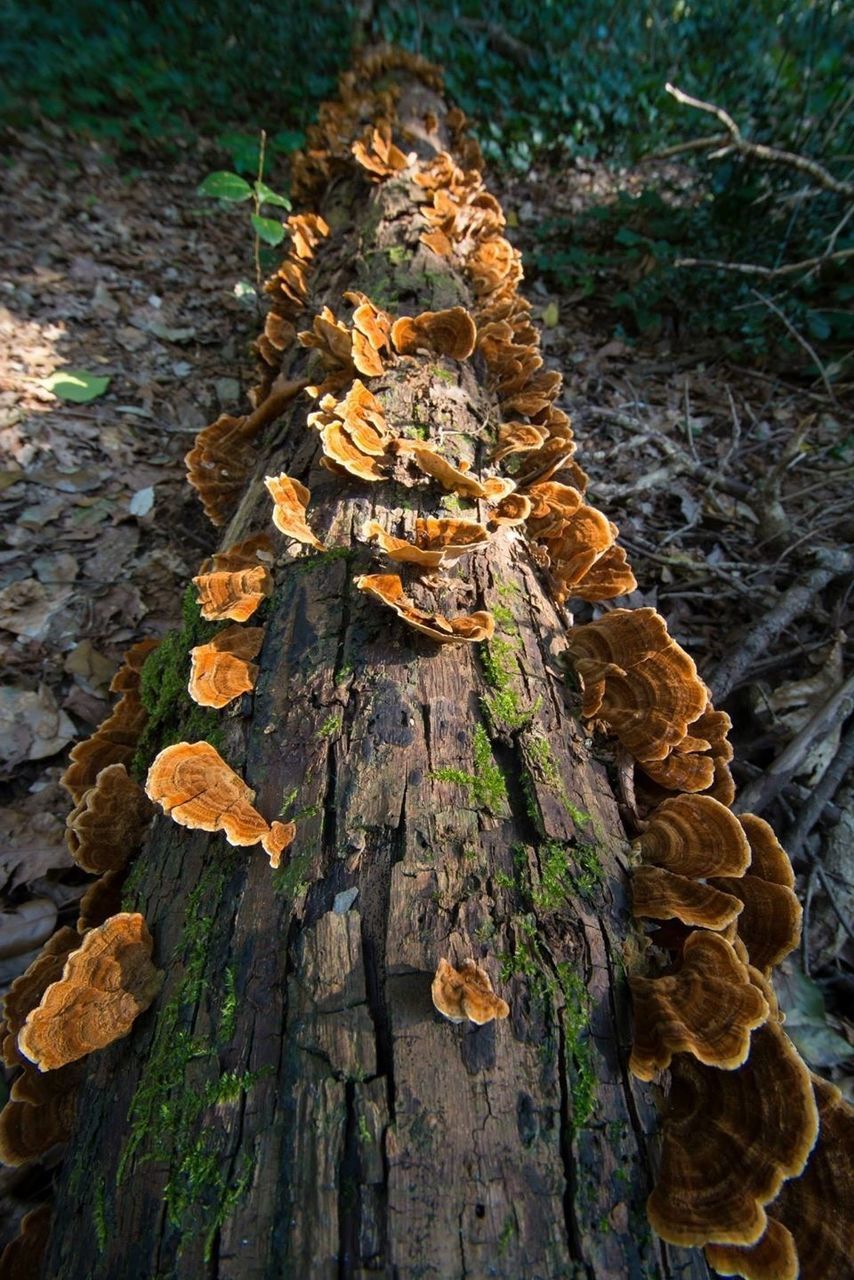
{"x":223,"y":184}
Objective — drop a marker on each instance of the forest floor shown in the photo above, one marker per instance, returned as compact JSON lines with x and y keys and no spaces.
{"x":725,"y":483}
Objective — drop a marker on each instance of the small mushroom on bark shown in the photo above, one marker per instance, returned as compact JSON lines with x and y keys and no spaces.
{"x":466,"y":993}
{"x":695,"y":836}
{"x":233,"y":595}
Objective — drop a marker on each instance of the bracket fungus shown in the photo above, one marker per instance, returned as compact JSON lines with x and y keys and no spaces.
{"x":453,"y":479}
{"x":449,"y":333}
{"x":708,"y":1008}
{"x":377,"y":154}
{"x":466,"y":993}
{"x":114,"y":741}
{"x":662,"y":895}
{"x":290,"y":500}
{"x":730,"y":1139}
{"x":29,"y":1130}
{"x":770,"y":924}
{"x":466,"y":627}
{"x":196,"y":788}
{"x":27,"y":990}
{"x":102,"y":899}
{"x":107,"y":827}
{"x":222,"y":670}
{"x":695,"y":836}
{"x":106,"y":983}
{"x":232,"y":594}
{"x":22,"y":1257}
{"x":437,"y":541}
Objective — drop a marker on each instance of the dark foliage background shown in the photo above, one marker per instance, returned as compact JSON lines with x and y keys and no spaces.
{"x":544,"y":82}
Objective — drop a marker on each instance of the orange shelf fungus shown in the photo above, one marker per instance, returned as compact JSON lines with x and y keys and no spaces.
{"x":232,"y":595}
{"x":28,"y":1131}
{"x":730,"y":1139}
{"x":27,"y":990}
{"x":388,"y":588}
{"x":695,"y":836}
{"x":340,"y":450}
{"x":517,"y":437}
{"x":451,"y":478}
{"x":290,"y":499}
{"x":466,"y":993}
{"x":708,"y":1008}
{"x":307,"y":230}
{"x":101,"y":900}
{"x":768,"y":858}
{"x":510,"y":511}
{"x":222,"y":670}
{"x":663,"y":895}
{"x":251,"y":551}
{"x":224,"y":453}
{"x":449,"y":333}
{"x":196,"y":788}
{"x":437,"y":541}
{"x":107,"y":827}
{"x":377,"y":154}
{"x":22,"y":1257}
{"x":114,"y":741}
{"x":105,"y":985}
{"x":816,"y":1207}
{"x":770,"y":925}
{"x":773,"y":1257}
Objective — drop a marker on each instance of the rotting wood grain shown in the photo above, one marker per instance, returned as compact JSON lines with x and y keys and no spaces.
{"x":365,"y":1135}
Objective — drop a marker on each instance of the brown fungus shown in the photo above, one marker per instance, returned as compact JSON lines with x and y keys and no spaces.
{"x":466,"y":993}
{"x":222,"y":670}
{"x":388,"y":588}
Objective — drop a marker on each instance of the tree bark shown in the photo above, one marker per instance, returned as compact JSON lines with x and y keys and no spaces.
{"x":292,"y":1105}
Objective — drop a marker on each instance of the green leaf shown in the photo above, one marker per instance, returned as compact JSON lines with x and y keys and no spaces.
{"x":269,"y":229}
{"x":76,"y":385}
{"x":267,"y":196}
{"x":245,"y":150}
{"x":289,"y":140}
{"x":223,"y":185}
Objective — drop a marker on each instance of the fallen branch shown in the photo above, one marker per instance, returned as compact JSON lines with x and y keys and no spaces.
{"x":829,"y":564}
{"x":771,"y":155}
{"x":799,"y":338}
{"x":756,"y":797}
{"x":821,"y":797}
{"x":767,"y":273}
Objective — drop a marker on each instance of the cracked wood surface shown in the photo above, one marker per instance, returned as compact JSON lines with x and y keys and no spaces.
{"x":366,"y":1135}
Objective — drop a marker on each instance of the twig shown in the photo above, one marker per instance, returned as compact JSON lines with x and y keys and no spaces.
{"x":767,"y":273}
{"x":771,"y":155}
{"x":825,"y":791}
{"x":829,"y":564}
{"x":799,"y":338}
{"x":501,"y":41}
{"x":756,"y":797}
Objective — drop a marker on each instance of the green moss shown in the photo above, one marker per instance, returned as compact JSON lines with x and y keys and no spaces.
{"x":498,"y":659}
{"x":555,"y":878}
{"x":485,"y":784}
{"x":292,"y":880}
{"x":444,"y":374}
{"x":591,"y":873}
{"x":99,"y":1214}
{"x":172,"y":714}
{"x":508,"y":1230}
{"x":166,"y":1114}
{"x":508,"y":590}
{"x":539,"y":753}
{"x":365,"y":1136}
{"x":560,"y":987}
{"x":228,"y":1009}
{"x":504,"y":617}
{"x":308,"y":564}
{"x":576,"y":1026}
{"x":330,"y":726}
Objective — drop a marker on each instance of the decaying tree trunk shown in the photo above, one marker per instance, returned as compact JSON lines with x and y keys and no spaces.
{"x":292,"y":1105}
